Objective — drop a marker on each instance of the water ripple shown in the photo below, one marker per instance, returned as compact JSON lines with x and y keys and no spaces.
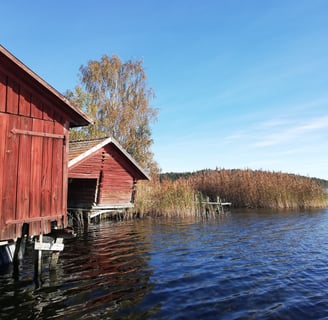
{"x":241,"y":265}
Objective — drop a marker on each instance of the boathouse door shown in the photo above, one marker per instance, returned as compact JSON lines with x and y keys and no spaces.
{"x":32,"y":179}
{"x":82,"y":193}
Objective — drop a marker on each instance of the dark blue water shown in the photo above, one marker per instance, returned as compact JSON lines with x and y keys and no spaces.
{"x":239,"y":265}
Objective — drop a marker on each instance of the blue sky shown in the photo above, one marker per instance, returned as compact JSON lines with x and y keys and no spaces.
{"x":238,"y":84}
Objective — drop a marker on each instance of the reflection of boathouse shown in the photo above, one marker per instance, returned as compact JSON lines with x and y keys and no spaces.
{"x":34,"y":124}
{"x":102,"y":175}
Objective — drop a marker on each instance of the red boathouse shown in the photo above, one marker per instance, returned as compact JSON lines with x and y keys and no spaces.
{"x":102,"y":175}
{"x":34,"y":126}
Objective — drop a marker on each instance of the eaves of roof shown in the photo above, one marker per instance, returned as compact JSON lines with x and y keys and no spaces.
{"x":77,"y":117}
{"x":86,"y":152}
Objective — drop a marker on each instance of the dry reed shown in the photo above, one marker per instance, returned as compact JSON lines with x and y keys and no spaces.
{"x":166,"y":198}
{"x":260,"y":189}
{"x":244,"y":188}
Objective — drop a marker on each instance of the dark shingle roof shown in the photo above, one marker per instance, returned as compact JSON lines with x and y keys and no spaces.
{"x":76,"y":148}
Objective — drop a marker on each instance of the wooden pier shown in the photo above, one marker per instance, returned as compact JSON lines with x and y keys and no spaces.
{"x":215,"y":206}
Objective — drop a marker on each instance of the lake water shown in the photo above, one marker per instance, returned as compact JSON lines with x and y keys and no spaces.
{"x":237,"y":265}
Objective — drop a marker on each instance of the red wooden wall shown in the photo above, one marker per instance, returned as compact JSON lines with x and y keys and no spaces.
{"x":116,"y":182}
{"x":33,"y":158}
{"x":114,"y":173}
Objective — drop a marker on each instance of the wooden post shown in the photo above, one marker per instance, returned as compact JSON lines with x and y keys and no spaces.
{"x":55,"y":256}
{"x":39,"y":260}
{"x":20,"y":243}
{"x":207,"y":206}
{"x":219,"y":208}
{"x":86,"y":221}
{"x":54,"y":246}
{"x":19,"y":249}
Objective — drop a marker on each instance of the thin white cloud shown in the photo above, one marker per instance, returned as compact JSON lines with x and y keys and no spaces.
{"x":233,"y":137}
{"x":287,"y":135}
{"x":275,"y":123}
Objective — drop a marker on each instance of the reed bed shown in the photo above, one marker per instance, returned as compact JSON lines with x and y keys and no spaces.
{"x":243,"y":188}
{"x":166,"y":198}
{"x":260,"y":189}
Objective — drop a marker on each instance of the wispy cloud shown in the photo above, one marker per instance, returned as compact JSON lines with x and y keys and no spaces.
{"x":289,"y":134}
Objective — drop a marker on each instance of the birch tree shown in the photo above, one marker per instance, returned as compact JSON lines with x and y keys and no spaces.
{"x":115,"y":95}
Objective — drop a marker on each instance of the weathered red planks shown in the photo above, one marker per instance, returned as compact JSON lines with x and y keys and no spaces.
{"x":34,"y":124}
{"x":46,"y":170}
{"x":23,"y":170}
{"x":65,"y":170}
{"x":12,"y":96}
{"x":10,"y":163}
{"x":36,"y":107}
{"x":24,"y":102}
{"x":3,"y":91}
{"x":3,"y":126}
{"x":48,"y":111}
{"x":35,"y":179}
{"x":117,"y":183}
{"x":115,"y":172}
{"x":57,"y":172}
{"x":89,"y":167}
{"x":36,"y":169}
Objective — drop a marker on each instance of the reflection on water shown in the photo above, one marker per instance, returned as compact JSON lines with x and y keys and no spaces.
{"x":239,"y":265}
{"x":101,"y":272}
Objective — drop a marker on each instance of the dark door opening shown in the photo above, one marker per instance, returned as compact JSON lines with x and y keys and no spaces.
{"x":82,"y":193}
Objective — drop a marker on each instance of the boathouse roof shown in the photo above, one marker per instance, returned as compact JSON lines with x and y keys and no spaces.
{"x":82,"y":149}
{"x":77,"y":117}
